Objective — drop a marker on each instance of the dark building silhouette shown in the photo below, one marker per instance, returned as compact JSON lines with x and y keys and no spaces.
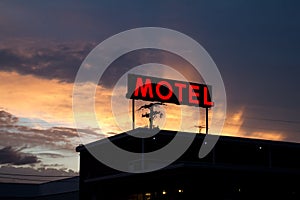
{"x":237,"y":168}
{"x":66,"y":189}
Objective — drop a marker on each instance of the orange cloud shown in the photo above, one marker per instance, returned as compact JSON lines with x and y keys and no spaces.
{"x":51,"y":100}
{"x":233,"y":124}
{"x":268,"y":135}
{"x":29,"y":96}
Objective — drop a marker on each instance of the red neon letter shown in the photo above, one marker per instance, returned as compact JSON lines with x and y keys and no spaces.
{"x":180,"y":86}
{"x":192,"y":94}
{"x":206,"y":102}
{"x":168,"y":96}
{"x":144,"y":87}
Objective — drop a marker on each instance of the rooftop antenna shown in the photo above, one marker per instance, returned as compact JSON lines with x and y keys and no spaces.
{"x":199,"y":127}
{"x":152,"y":114}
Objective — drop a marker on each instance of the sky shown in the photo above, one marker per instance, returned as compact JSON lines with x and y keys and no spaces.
{"x":255,"y":45}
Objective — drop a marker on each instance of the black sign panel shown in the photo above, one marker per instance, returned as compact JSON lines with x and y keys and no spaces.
{"x":169,"y":91}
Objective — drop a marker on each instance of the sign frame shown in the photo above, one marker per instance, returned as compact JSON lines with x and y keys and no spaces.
{"x":149,"y":88}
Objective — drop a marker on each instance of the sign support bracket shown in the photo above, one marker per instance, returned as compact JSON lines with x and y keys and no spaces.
{"x":133,"y":115}
{"x":206,"y":121}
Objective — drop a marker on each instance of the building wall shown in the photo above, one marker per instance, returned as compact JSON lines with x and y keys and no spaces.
{"x":237,"y":168}
{"x":55,"y":190}
{"x":64,"y":196}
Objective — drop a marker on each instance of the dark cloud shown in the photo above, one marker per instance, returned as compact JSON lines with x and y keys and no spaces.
{"x":49,"y":60}
{"x":8,"y":155}
{"x":7,"y":118}
{"x":143,"y":56}
{"x":51,"y":155}
{"x":111,"y":133}
{"x":55,"y":143}
{"x":52,"y":165}
{"x":64,"y":138}
{"x":61,"y":61}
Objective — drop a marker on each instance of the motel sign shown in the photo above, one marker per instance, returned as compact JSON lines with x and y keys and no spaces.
{"x":169,"y":91}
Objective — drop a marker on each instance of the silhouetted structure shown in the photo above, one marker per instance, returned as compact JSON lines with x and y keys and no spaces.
{"x":237,"y":168}
{"x":66,"y":189}
{"x":152,"y":115}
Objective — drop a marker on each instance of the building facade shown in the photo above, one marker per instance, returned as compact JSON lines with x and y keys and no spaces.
{"x":236,"y":168}
{"x":66,"y":189}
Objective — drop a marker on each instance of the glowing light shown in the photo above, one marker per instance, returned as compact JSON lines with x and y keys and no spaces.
{"x":192,"y":94}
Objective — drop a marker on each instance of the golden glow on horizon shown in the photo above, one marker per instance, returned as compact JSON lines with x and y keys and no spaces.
{"x":50,"y":100}
{"x":233,"y":124}
{"x":32,"y":97}
{"x":269,"y":135}
{"x":234,"y":127}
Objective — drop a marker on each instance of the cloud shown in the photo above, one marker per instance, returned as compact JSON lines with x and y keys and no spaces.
{"x":61,"y":61}
{"x":45,"y":59}
{"x":32,"y":97}
{"x":55,"y":137}
{"x":238,"y":124}
{"x":54,"y":147}
{"x":139,"y":57}
{"x":7,"y":118}
{"x":50,"y":101}
{"x":8,"y":155}
{"x":51,"y":155}
{"x":51,"y":165}
{"x":13,"y":134}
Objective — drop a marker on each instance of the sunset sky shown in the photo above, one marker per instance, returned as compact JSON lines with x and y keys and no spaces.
{"x":255,"y":45}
